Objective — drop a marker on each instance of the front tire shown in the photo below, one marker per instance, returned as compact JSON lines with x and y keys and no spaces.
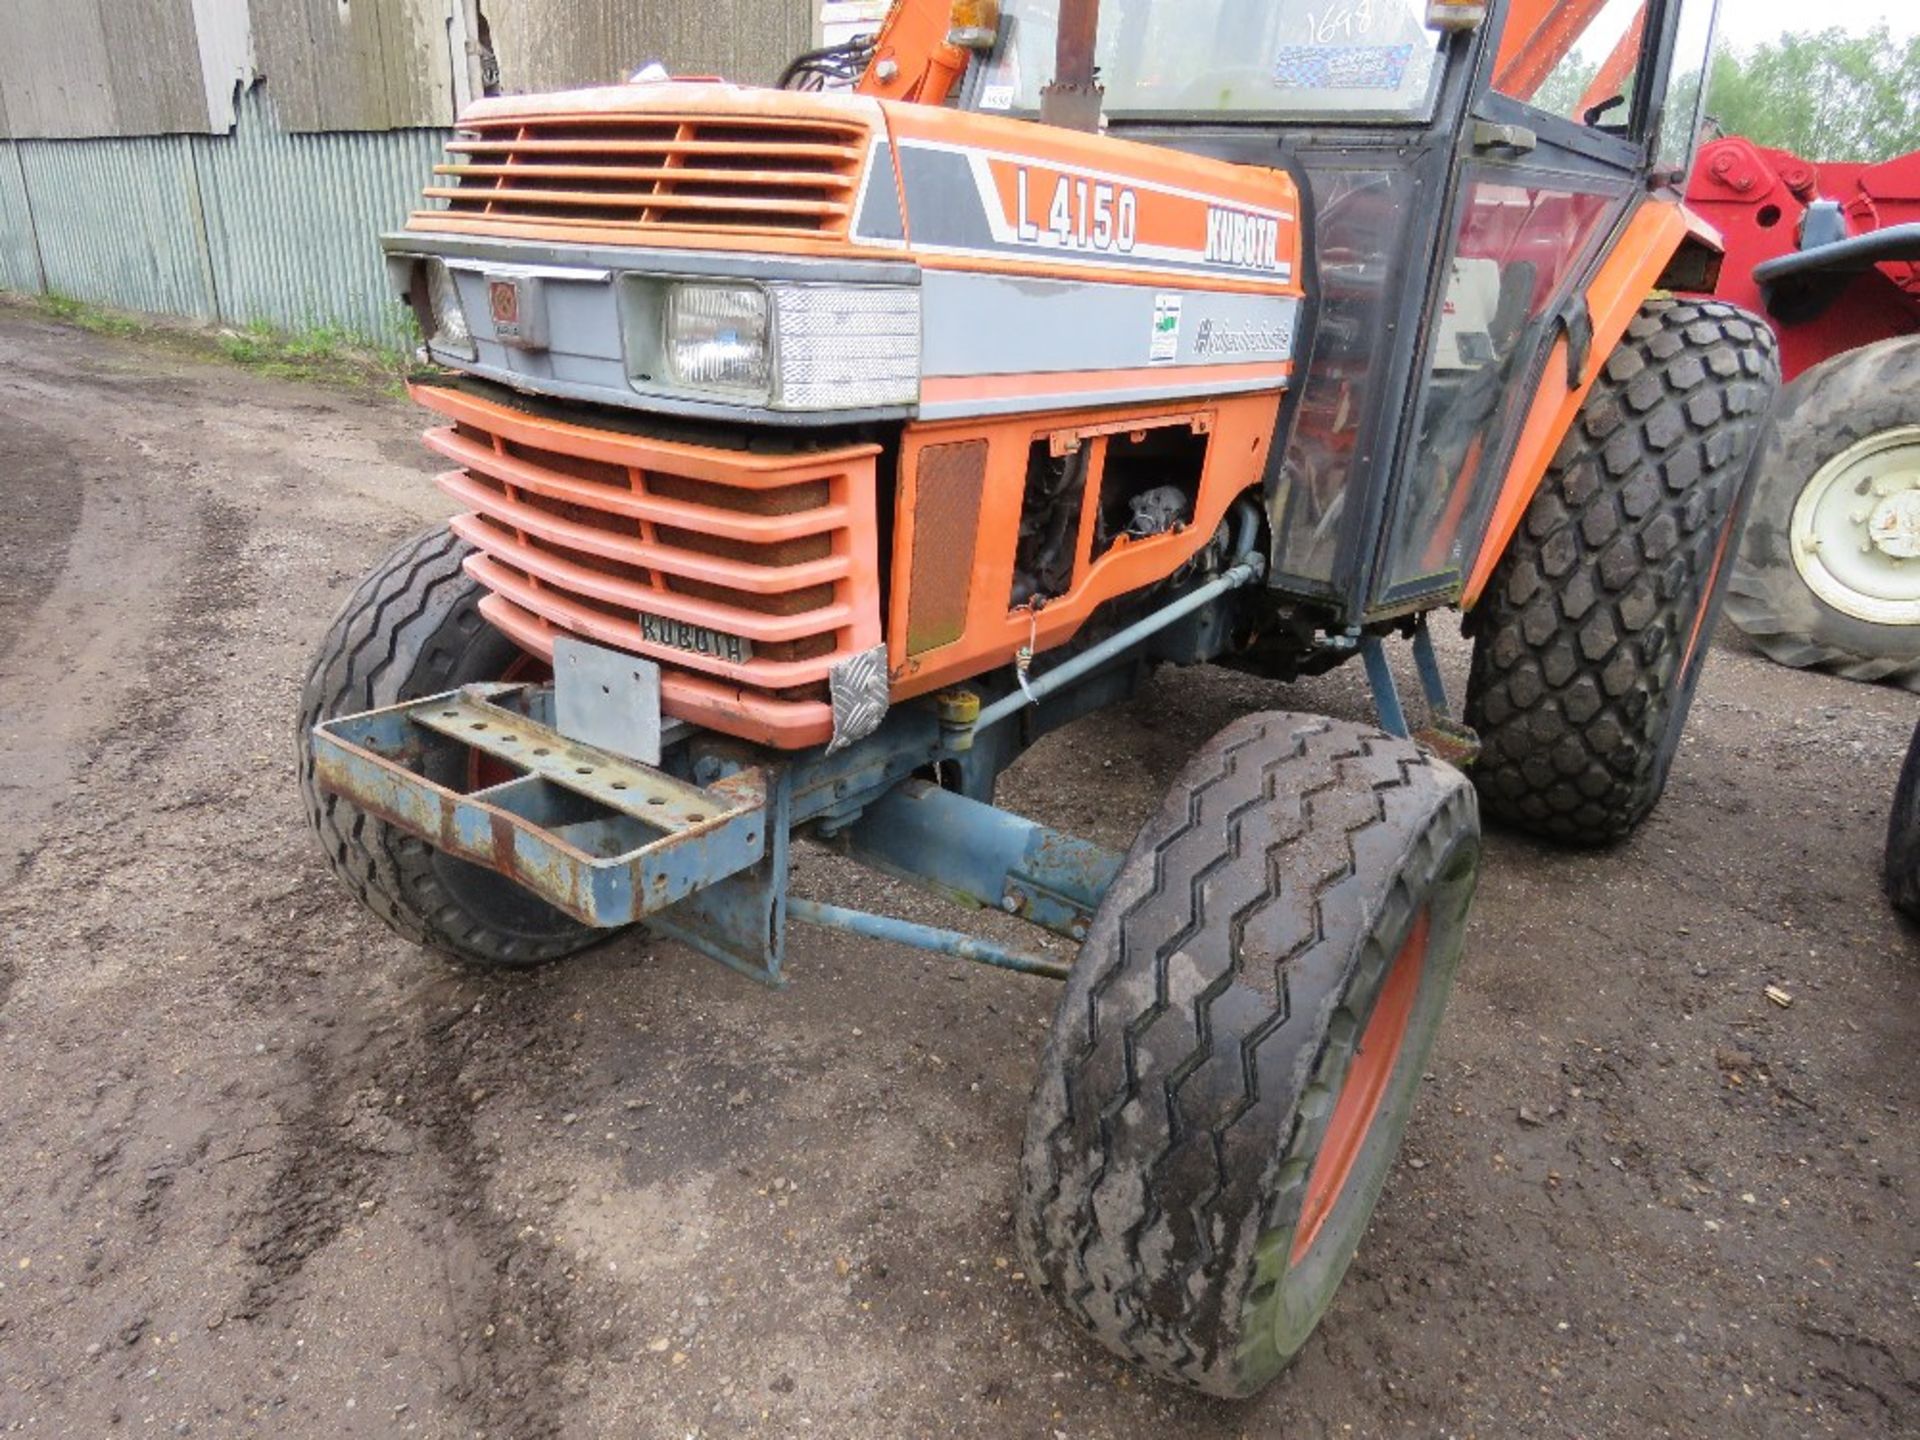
{"x":1814,"y":583}
{"x":1237,"y":1052}
{"x":413,"y":628}
{"x":1589,"y":641}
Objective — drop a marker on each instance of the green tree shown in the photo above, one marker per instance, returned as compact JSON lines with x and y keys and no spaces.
{"x":1824,"y":95}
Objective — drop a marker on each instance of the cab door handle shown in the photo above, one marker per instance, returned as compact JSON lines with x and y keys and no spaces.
{"x":1515,"y":139}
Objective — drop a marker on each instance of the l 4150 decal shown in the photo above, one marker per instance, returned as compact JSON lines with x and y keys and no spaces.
{"x":1082,"y":214}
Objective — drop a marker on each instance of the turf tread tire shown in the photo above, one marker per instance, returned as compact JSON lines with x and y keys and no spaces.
{"x":1203,"y":1033}
{"x":1825,"y":411}
{"x":1589,"y":640}
{"x":413,"y":628}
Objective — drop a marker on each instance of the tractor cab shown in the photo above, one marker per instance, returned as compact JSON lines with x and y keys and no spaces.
{"x":1473,"y":178}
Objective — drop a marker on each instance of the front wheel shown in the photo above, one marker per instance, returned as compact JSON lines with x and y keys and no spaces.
{"x":1237,"y":1052}
{"x":1589,"y":641}
{"x":411,"y":629}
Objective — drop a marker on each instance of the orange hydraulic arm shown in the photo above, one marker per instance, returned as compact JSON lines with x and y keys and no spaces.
{"x":1619,"y":65}
{"x":912,"y":57}
{"x":1538,"y":36}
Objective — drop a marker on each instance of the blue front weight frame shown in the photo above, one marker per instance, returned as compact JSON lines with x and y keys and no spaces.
{"x":698,"y":846}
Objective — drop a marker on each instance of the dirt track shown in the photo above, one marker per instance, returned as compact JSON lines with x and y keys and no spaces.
{"x":265,"y":1169}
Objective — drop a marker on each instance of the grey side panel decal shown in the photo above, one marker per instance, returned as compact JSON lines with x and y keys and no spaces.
{"x":879,"y":221}
{"x":1004,"y":325}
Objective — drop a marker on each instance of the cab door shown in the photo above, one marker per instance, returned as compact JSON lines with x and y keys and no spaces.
{"x":1560,"y":142}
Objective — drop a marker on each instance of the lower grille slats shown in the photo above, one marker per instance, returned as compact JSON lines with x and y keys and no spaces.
{"x":747,"y":576}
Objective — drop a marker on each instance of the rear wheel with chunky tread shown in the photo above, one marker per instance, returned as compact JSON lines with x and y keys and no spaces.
{"x":413,"y":628}
{"x":1835,"y":406}
{"x":1201,"y":1046}
{"x":1589,"y":640}
{"x":1902,"y":875}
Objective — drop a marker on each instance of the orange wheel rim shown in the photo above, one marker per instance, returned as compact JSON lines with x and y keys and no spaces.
{"x":1368,"y":1075}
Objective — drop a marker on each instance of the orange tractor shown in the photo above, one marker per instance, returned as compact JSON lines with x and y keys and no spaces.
{"x":817,"y":452}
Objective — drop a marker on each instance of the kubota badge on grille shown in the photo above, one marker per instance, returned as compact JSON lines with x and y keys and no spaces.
{"x":517,"y":305}
{"x":734,"y":649}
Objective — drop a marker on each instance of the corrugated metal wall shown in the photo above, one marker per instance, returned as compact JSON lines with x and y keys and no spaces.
{"x":115,"y":221}
{"x":19,"y":257}
{"x":257,"y":226}
{"x":293,"y":221}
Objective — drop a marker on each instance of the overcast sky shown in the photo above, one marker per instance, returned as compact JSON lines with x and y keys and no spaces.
{"x":1746,"y":22}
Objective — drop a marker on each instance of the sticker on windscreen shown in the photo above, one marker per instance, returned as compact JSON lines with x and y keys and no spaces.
{"x":1342,"y":67}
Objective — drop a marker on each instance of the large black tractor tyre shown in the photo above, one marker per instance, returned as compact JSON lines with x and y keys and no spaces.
{"x":1238,"y":1049}
{"x":1813,"y":583}
{"x":1902,"y":875}
{"x":411,"y":629}
{"x":1589,"y":641}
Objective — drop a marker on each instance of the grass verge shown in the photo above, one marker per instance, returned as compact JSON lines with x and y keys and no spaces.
{"x":324,"y":354}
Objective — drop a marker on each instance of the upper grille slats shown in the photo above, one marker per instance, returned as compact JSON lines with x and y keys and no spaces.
{"x":650,"y":506}
{"x":652,"y":173}
{"x":594,"y":540}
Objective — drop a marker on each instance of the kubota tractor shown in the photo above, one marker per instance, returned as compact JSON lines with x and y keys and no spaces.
{"x":817,"y":453}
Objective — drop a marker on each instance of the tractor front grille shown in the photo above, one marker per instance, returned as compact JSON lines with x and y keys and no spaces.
{"x":747,"y":576}
{"x":647,"y":174}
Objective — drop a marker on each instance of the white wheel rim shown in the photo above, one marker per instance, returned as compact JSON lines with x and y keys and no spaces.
{"x":1856,"y":529}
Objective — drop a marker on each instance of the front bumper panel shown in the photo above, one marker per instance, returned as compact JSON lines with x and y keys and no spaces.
{"x":607,"y":840}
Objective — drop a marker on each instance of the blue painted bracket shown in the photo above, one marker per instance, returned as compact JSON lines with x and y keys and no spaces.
{"x":605,"y":839}
{"x":1386,"y":695}
{"x":981,"y":855}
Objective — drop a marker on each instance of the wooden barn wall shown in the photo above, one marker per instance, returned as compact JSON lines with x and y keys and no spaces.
{"x":557,"y":44}
{"x":368,"y":65}
{"x":76,"y":69}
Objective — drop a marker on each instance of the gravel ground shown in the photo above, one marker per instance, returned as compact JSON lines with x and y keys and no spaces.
{"x":263,"y":1165}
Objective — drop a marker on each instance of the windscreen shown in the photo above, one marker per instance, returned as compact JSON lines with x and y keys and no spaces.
{"x":1306,"y":59}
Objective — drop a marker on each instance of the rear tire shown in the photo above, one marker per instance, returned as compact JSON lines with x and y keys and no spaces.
{"x":413,"y":628}
{"x":1902,"y":875}
{"x":1304,"y":888}
{"x":1840,"y":406}
{"x":1589,"y":641}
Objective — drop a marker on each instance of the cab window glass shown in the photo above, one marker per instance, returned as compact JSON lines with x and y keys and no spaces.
{"x":1576,"y":60}
{"x":1686,"y":90}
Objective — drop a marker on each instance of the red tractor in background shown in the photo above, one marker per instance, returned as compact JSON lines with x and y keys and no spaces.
{"x":1828,"y":570}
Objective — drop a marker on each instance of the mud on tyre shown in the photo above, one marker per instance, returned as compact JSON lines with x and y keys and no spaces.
{"x":1589,"y":640}
{"x":413,"y":628}
{"x":1280,"y":940}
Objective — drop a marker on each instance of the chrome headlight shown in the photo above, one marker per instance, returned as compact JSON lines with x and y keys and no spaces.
{"x":791,"y":346}
{"x":717,"y":339}
{"x":450,"y":331}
